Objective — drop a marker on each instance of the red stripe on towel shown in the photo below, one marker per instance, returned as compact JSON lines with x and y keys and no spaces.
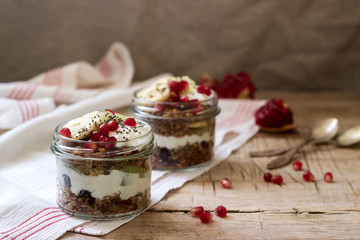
{"x":21,"y":111}
{"x":31,"y":228}
{"x":45,"y":209}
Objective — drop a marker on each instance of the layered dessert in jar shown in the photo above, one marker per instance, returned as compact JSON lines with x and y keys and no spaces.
{"x":103,"y":164}
{"x":182,"y":116}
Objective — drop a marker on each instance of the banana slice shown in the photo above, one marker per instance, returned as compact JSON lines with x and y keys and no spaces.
{"x":159,"y":91}
{"x":82,"y":127}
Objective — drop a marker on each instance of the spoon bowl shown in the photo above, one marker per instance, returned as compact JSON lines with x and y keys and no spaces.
{"x":325,"y":130}
{"x":349,"y":137}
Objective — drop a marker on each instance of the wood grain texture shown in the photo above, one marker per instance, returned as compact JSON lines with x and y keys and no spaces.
{"x":259,"y":210}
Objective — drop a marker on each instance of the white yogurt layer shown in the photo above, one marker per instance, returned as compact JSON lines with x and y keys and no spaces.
{"x":199,"y":96}
{"x":175,"y":142}
{"x":134,"y":136}
{"x":128,"y":184}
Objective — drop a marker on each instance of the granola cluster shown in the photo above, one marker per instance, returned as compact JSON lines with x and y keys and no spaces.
{"x":84,"y":203}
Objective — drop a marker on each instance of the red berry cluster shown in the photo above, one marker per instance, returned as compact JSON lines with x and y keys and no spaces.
{"x":232,"y":86}
{"x":205,"y":217}
{"x":176,"y":87}
{"x":274,"y":114}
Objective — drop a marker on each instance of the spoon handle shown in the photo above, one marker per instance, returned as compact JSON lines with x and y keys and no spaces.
{"x":269,"y":152}
{"x":287,"y":157}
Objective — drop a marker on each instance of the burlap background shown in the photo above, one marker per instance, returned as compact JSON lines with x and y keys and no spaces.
{"x":302,"y":45}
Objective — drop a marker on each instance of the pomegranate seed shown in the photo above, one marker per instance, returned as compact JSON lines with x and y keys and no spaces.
{"x":267,"y":177}
{"x":160,"y":107}
{"x":95,"y":136}
{"x":184,"y":99}
{"x":174,"y":86}
{"x":308,"y":176}
{"x":175,"y":97}
{"x":196,"y":211}
{"x":297,"y":166}
{"x":110,"y":143}
{"x":207,"y":91}
{"x":91,"y":145}
{"x":277,"y":179}
{"x":183,"y":85}
{"x":226,"y":183}
{"x":112,"y":125}
{"x":102,"y":138}
{"x":220,"y":211}
{"x":130,"y":122}
{"x":109,"y":110}
{"x":328,"y":177}
{"x":104,"y":130}
{"x":206,"y":217}
{"x":65,"y":132}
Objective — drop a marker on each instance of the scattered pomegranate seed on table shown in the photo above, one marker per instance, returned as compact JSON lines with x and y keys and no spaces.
{"x":65,"y":132}
{"x":226,"y":183}
{"x":220,"y":211}
{"x":267,"y":177}
{"x":308,"y":176}
{"x":297,"y":166}
{"x":206,"y":217}
{"x":277,"y":179}
{"x":328,"y":177}
{"x":196,"y":211}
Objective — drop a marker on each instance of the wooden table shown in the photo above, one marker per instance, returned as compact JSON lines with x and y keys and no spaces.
{"x":258,"y":210}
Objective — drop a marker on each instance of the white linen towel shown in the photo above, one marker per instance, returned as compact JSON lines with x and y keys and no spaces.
{"x":22,"y":101}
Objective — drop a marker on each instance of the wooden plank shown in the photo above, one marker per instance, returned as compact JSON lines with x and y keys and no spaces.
{"x":255,"y":225}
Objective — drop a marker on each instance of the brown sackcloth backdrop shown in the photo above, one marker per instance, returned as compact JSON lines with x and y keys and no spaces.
{"x":285,"y":45}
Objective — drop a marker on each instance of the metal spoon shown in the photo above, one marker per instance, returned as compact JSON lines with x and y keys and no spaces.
{"x":321,"y":132}
{"x":349,"y":137}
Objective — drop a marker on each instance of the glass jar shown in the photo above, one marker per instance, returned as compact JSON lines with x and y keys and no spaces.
{"x":103,"y":184}
{"x":184,"y":131}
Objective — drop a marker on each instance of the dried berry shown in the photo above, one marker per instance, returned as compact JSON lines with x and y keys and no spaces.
{"x":67,"y":180}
